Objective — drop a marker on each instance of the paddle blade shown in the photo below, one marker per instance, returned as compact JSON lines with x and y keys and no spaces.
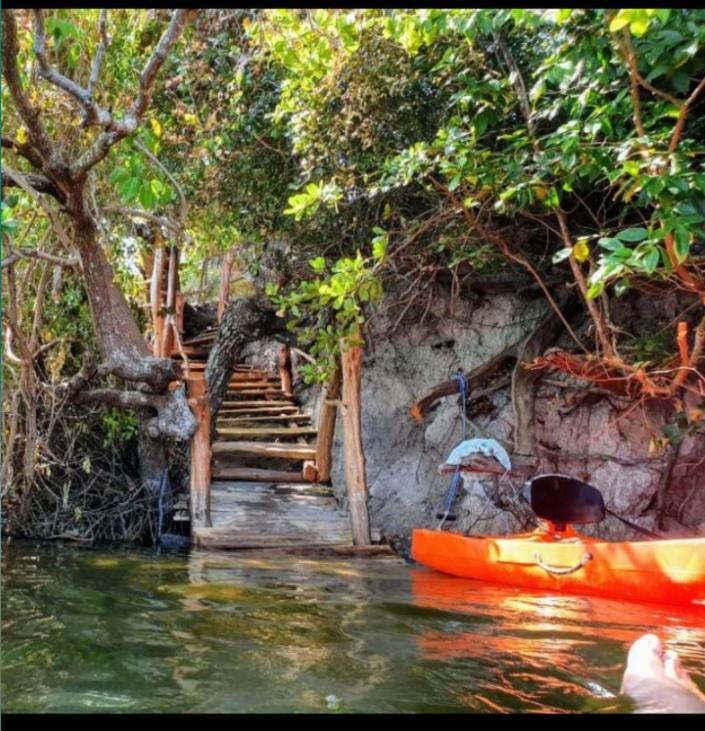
{"x":563,"y":499}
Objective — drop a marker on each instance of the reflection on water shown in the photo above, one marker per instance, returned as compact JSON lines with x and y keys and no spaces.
{"x":131,"y":631}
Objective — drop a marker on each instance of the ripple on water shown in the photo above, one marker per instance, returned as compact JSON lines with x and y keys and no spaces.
{"x":137,"y":632}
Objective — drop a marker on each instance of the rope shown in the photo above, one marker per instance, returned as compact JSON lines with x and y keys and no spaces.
{"x":463,"y":387}
{"x":634,"y":526}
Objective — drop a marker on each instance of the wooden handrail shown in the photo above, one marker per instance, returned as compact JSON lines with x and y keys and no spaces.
{"x":355,"y":475}
{"x":330,"y":393}
{"x":200,"y":483}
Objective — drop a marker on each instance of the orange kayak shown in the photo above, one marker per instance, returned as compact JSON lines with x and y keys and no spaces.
{"x":662,"y":571}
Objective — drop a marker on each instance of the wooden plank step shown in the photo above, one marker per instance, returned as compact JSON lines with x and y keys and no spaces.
{"x":248,"y":378}
{"x":198,"y":339}
{"x":219,"y":472}
{"x":243,"y":367}
{"x":255,"y":418}
{"x":259,"y":385}
{"x":266,"y":449}
{"x":274,"y":394}
{"x":263,"y":432}
{"x":237,"y":539}
{"x":262,"y":407}
{"x":249,"y":489}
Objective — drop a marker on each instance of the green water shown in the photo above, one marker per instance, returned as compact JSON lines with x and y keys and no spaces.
{"x":91,"y":631}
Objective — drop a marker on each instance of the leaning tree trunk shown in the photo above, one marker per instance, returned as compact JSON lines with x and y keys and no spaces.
{"x":163,"y":413}
{"x":125,"y":352}
{"x":243,"y":320}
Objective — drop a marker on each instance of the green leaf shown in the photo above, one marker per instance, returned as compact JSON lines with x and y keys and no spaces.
{"x":682,"y":243}
{"x":146,"y":194}
{"x":632,"y":234}
{"x":118,"y":174}
{"x":318,"y":264}
{"x":621,"y":287}
{"x":130,"y":188}
{"x":561,"y":255}
{"x":595,"y":290}
{"x":651,"y":260}
{"x":610,"y":244}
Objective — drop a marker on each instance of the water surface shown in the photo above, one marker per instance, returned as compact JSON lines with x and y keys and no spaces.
{"x":133,"y":631}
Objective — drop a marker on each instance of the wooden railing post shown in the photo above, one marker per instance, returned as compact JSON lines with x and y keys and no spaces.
{"x":155,"y":298}
{"x":171,"y":289}
{"x":199,"y":401}
{"x":285,"y":369}
{"x":326,"y":425}
{"x":179,"y":314}
{"x":355,"y":477}
{"x":226,"y":269}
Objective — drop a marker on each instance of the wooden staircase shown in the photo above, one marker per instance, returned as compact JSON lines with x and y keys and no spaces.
{"x":263,"y":491}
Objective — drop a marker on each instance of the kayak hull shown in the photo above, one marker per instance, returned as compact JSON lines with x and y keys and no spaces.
{"x":662,"y":571}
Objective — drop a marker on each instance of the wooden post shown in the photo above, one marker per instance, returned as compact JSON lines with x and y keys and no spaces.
{"x":171,"y":287}
{"x":355,"y":477}
{"x":285,"y":369}
{"x":199,"y":402}
{"x":155,"y":296}
{"x":224,"y":291}
{"x":179,"y":314}
{"x":326,"y":425}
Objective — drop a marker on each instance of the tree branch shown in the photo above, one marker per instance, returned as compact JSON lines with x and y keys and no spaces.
{"x":179,"y":190}
{"x":29,"y":115}
{"x":39,"y":183}
{"x":99,"y":53}
{"x":26,"y":150}
{"x":18,"y":254}
{"x":22,"y":182}
{"x":138,"y":213}
{"x":47,"y":72}
{"x":630,"y":57}
{"x":680,"y":122}
{"x":115,"y":130}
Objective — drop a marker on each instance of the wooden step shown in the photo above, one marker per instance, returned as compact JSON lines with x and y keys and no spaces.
{"x":238,"y":369}
{"x":241,"y":420}
{"x":236,"y":538}
{"x":261,"y":405}
{"x":266,"y":449}
{"x":270,"y":393}
{"x":227,"y":491}
{"x":254,"y":385}
{"x":252,"y":377}
{"x":199,"y":339}
{"x":220,"y":472}
{"x":265,"y":432}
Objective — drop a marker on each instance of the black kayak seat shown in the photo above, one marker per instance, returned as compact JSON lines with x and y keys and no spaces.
{"x":562,"y":499}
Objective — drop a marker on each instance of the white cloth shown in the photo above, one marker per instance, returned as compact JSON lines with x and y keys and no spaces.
{"x":488,"y":447}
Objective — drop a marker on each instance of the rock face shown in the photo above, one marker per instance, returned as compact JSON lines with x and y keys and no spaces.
{"x":405,"y":488}
{"x":604,"y":441}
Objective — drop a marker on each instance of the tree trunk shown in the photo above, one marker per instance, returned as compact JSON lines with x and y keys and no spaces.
{"x":126,"y":355}
{"x":355,"y":477}
{"x":244,"y":320}
{"x":152,"y":458}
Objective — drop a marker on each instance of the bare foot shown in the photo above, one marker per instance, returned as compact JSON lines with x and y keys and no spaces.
{"x":657,"y":681}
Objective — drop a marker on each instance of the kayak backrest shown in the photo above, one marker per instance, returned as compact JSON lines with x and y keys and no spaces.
{"x":562,"y":499}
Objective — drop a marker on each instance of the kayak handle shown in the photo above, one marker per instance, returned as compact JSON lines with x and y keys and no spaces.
{"x":562,"y":571}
